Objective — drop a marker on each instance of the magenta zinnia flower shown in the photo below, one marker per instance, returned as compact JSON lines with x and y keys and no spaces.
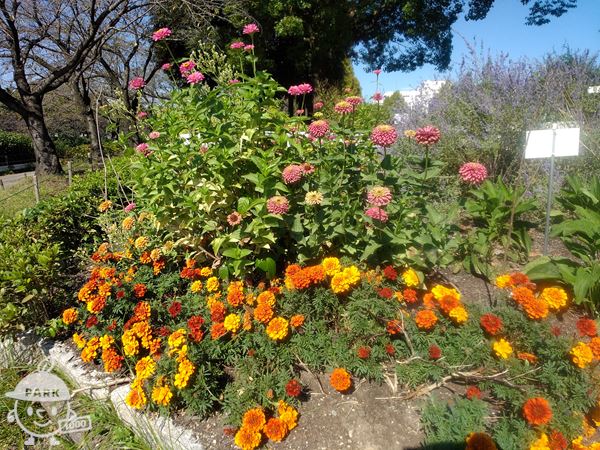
{"x":384,"y":135}
{"x":427,"y":135}
{"x":186,"y":67}
{"x":318,"y":105}
{"x":154,"y":135}
{"x":294,"y":90}
{"x":248,"y":47}
{"x":318,"y":128}
{"x":379,"y":196}
{"x":343,"y":107}
{"x":143,"y":149}
{"x":377,"y":213}
{"x":194,"y":77}
{"x":292,"y":174}
{"x":161,"y":34}
{"x":473,"y":173}
{"x":235,"y":218}
{"x":129,"y":207}
{"x":166,"y":66}
{"x":377,"y":72}
{"x":234,"y":81}
{"x":377,"y":96}
{"x":142,"y":115}
{"x":305,"y":88}
{"x":251,"y":28}
{"x":278,"y":204}
{"x":237,"y":45}
{"x":137,"y":83}
{"x":354,"y":100}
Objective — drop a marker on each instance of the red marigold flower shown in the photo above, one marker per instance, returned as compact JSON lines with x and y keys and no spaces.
{"x":473,"y":392}
{"x":217,"y":312}
{"x":558,"y":441}
{"x":480,"y":441}
{"x":386,"y":292}
{"x":120,"y":294}
{"x":390,"y":273}
{"x":537,"y":411}
{"x":394,"y":327}
{"x":410,"y":295}
{"x":293,"y":388}
{"x":217,"y":330}
{"x":175,"y":309}
{"x":518,"y":279}
{"x":194,"y":324}
{"x":428,"y":135}
{"x":491,"y":324}
{"x":384,"y":135}
{"x":164,"y":331}
{"x":586,"y":327}
{"x":390,"y":349}
{"x":112,"y":326}
{"x":363,"y":352}
{"x":555,"y":330}
{"x":435,"y":352}
{"x":92,"y":320}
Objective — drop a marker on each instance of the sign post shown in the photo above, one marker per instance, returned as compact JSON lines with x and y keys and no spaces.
{"x":551,"y":143}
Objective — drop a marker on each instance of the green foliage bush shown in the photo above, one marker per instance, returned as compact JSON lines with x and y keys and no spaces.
{"x":15,"y":148}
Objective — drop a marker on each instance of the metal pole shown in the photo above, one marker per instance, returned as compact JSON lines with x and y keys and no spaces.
{"x":36,"y":188}
{"x":550,"y":184}
{"x":70,"y":171}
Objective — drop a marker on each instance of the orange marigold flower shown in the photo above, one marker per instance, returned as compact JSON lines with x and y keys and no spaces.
{"x":275,"y":430}
{"x":247,"y":321}
{"x":263,"y":313}
{"x":111,"y":360}
{"x":96,"y":305}
{"x":393,"y":327}
{"x":558,"y":441}
{"x":297,"y":320}
{"x":235,"y":293}
{"x":429,"y":300}
{"x":104,"y":206}
{"x":139,"y":289}
{"x":480,"y":441}
{"x":448,"y":303}
{"x":594,"y":345}
{"x":254,"y":419}
{"x":529,"y":357}
{"x":586,"y":327}
{"x":247,"y":439}
{"x":266,"y":297}
{"x":141,"y":311}
{"x":555,"y":298}
{"x":426,"y":319}
{"x":491,"y":324}
{"x":217,"y":311}
{"x":410,"y":295}
{"x":136,"y":398}
{"x":277,"y":329}
{"x":340,"y":380}
{"x":217,"y":330}
{"x":145,"y":258}
{"x":518,"y":278}
{"x":69,"y":316}
{"x":537,"y":411}
{"x":292,"y":269}
{"x":522,"y":294}
{"x":535,"y":308}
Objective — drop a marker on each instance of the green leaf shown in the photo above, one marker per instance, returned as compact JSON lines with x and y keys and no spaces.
{"x":268,"y":266}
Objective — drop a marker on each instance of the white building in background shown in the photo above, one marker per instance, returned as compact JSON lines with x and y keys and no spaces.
{"x":419,"y":97}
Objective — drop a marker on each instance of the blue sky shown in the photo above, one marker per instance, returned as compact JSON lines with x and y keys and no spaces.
{"x":503,"y":31}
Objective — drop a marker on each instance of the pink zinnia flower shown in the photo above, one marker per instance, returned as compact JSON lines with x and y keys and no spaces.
{"x":235,"y":218}
{"x":194,"y":78}
{"x":305,"y":88}
{"x":377,"y":213}
{"x":318,"y":128}
{"x":251,"y":28}
{"x":377,"y":96}
{"x":427,"y":135}
{"x":307,"y":168}
{"x":299,"y":112}
{"x":143,"y":149}
{"x":384,"y":135}
{"x":473,"y":173}
{"x":129,"y":207}
{"x":379,"y":196}
{"x":343,"y":107}
{"x":234,"y":81}
{"x":377,"y":72}
{"x":187,"y":67}
{"x":161,"y":34}
{"x":248,"y":48}
{"x":137,"y":83}
{"x":294,"y":90}
{"x":166,"y":66}
{"x":154,"y":135}
{"x":354,"y":100}
{"x":237,"y":45}
{"x":142,"y":115}
{"x":278,"y":205}
{"x":317,"y":106}
{"x":292,"y":174}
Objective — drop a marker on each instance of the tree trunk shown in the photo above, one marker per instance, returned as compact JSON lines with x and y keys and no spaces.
{"x":46,"y":157}
{"x":84,"y":103}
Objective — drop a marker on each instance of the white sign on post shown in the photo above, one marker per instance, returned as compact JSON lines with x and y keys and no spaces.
{"x":545,"y":143}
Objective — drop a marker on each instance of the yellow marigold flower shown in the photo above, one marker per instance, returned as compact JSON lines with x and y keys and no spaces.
{"x":212,"y":284}
{"x":232,"y":323}
{"x":155,"y":254}
{"x":503,"y":281}
{"x":196,"y":286}
{"x":556,"y":298}
{"x":69,"y":316}
{"x":106,"y":341}
{"x":104,"y":206}
{"x":331,"y":266}
{"x":247,"y":439}
{"x":206,"y":272}
{"x":543,"y":443}
{"x":79,"y":340}
{"x":581,"y":355}
{"x":136,"y":398}
{"x":184,"y":372}
{"x":254,"y":419}
{"x":145,"y":368}
{"x":459,"y":315}
{"x":128,"y":223}
{"x":278,"y":329}
{"x":398,"y":296}
{"x":177,"y":338}
{"x":130,"y":343}
{"x":502,"y":348}
{"x":345,"y":280}
{"x":287,"y":414}
{"x":141,"y":243}
{"x":212,"y":299}
{"x":440,"y":291}
{"x":161,"y":393}
{"x":410,"y":277}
